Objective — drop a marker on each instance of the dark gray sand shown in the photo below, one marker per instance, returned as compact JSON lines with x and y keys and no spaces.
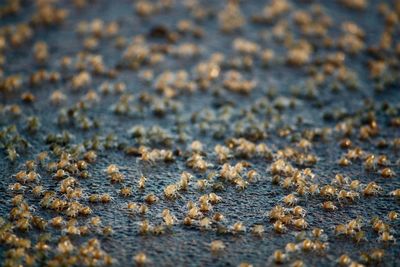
{"x":255,"y":100}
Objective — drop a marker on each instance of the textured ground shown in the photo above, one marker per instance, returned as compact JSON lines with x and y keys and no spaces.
{"x":299,"y":108}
